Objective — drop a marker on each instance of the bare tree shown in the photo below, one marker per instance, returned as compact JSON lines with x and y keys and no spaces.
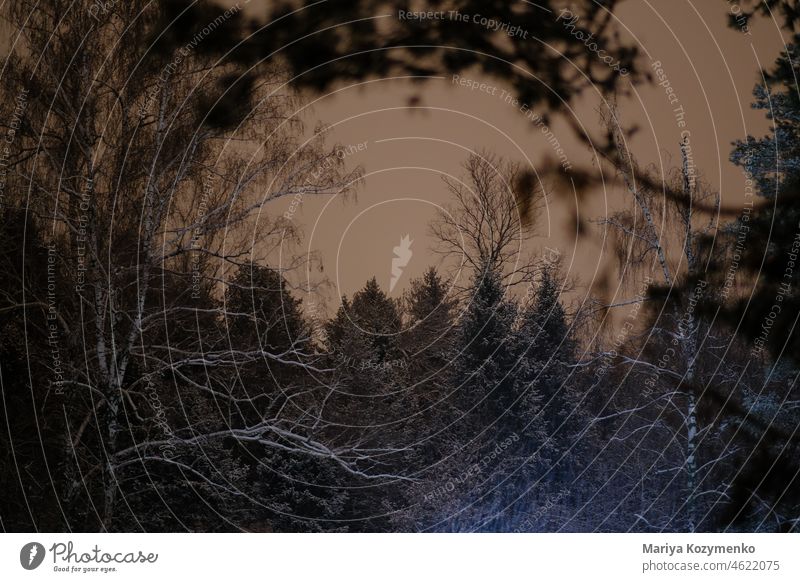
{"x":484,"y":227}
{"x":150,"y":208}
{"x":678,"y":346}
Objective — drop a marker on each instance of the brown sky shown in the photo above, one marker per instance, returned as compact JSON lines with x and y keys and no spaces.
{"x":711,"y":68}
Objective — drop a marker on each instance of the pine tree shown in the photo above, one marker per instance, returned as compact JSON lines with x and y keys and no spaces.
{"x":549,"y":350}
{"x":424,"y":405}
{"x":764,"y":244}
{"x":377,"y":316}
{"x":292,"y":490}
{"x":363,"y":350}
{"x":363,"y":340}
{"x":765,"y":241}
{"x":428,"y":339}
{"x":486,"y":352}
{"x":262,"y":315}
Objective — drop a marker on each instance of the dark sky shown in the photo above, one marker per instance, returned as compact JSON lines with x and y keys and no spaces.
{"x":406,"y":151}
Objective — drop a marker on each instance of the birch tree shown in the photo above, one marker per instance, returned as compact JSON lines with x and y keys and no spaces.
{"x":151,"y":208}
{"x":672,"y":349}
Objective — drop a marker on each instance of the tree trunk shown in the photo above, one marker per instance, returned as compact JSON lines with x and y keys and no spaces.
{"x":109,"y":473}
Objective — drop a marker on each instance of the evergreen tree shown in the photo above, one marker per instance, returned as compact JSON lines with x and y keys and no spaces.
{"x":548,"y":350}
{"x":263,"y":317}
{"x":428,"y":340}
{"x":33,"y":399}
{"x":765,"y":242}
{"x":424,"y":406}
{"x":363,"y":340}
{"x":486,"y":353}
{"x":290,"y":490}
{"x":363,"y":345}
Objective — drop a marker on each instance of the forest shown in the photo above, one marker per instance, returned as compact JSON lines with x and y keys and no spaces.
{"x":160,"y":371}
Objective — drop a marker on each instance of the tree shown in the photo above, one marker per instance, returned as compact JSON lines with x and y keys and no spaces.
{"x":678,"y":340}
{"x":548,"y":345}
{"x":759,"y":281}
{"x":493,"y":396}
{"x":486,"y":352}
{"x":345,"y":42}
{"x":428,"y":346}
{"x":368,"y":399}
{"x":147,"y":207}
{"x":32,"y":352}
{"x":462,"y":490}
{"x":364,"y":337}
{"x":766,"y":241}
{"x":483,"y":229}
